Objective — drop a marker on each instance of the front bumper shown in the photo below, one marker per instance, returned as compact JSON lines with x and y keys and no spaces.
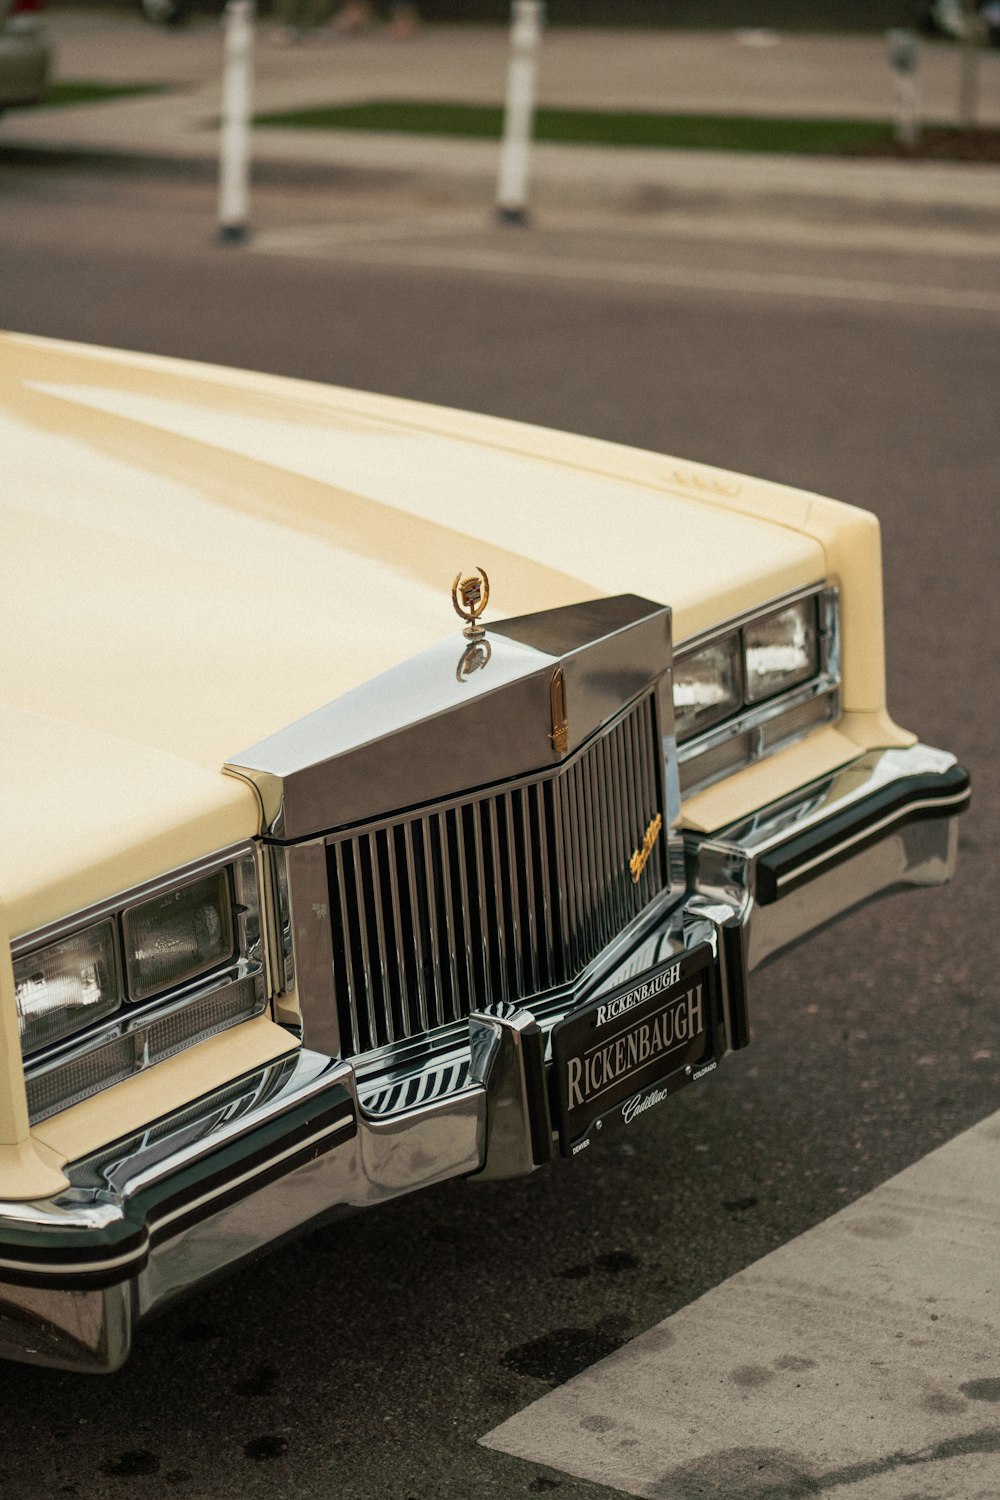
{"x":296,"y":1143}
{"x":885,"y":822}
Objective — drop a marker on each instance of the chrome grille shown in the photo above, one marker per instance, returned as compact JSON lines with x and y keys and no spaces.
{"x":493,"y":897}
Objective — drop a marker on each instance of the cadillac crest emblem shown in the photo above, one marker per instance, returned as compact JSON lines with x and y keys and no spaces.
{"x":470,"y":597}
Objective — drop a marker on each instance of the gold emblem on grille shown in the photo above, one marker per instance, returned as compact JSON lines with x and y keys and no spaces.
{"x":641,"y":855}
{"x":557,"y":703}
{"x":474,"y":594}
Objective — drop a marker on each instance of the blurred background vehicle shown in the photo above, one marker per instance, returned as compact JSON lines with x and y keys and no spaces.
{"x":948,"y":18}
{"x":25,"y":53}
{"x":164,"y":12}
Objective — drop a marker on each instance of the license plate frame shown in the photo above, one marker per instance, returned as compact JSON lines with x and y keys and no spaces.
{"x":644,"y":1034}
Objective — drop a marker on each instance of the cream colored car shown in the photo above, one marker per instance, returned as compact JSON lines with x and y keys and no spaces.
{"x":314,"y":893}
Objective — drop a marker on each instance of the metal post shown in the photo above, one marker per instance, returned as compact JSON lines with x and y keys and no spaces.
{"x":968,"y":92}
{"x":904,"y":55}
{"x":237,"y":107}
{"x":527,"y":17}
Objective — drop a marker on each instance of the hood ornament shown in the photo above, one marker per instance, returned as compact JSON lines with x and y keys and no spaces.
{"x":474,"y":593}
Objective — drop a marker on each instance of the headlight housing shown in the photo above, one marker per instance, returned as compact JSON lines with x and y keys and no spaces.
{"x":125,"y":985}
{"x":780,"y":650}
{"x":67,"y":985}
{"x":177,"y":935}
{"x":707,"y":686}
{"x":756,"y":684}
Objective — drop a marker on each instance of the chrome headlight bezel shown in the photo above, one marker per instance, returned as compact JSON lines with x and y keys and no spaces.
{"x":773,"y":715}
{"x":794,"y":630}
{"x":148,"y":970}
{"x":60,"y":965}
{"x":696,"y":707}
{"x":148,"y":1026}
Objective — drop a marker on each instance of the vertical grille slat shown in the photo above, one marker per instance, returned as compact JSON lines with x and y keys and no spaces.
{"x":605,"y":857}
{"x":522,"y":824}
{"x":613,"y":820}
{"x":649,"y":782}
{"x":343,"y":964}
{"x":544,"y":889}
{"x":564,"y":885}
{"x":451,"y":918}
{"x":361,"y":924}
{"x":578,"y":845}
{"x":496,"y":897}
{"x":427,"y":975}
{"x":574,"y":869}
{"x":495,"y":880}
{"x":517,"y":934}
{"x":464,"y":909}
{"x":384,"y":962}
{"x":636,"y":789}
{"x":586,"y":829}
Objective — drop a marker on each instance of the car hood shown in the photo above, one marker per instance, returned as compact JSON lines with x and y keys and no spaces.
{"x":195,"y":558}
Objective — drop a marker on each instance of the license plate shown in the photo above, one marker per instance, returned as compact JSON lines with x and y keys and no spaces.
{"x":626,"y":1051}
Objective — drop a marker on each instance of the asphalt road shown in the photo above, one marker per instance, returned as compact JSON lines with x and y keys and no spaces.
{"x":365,"y":1361}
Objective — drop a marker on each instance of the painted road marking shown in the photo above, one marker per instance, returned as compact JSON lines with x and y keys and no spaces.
{"x":862,"y":1359}
{"x":740,"y":228}
{"x":693,"y":278}
{"x":422,"y":240}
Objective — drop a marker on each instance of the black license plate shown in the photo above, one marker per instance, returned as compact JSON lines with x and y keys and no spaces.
{"x":626,"y":1051}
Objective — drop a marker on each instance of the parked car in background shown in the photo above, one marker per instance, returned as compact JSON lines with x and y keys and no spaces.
{"x":25,"y":53}
{"x":312,"y":894}
{"x":949,"y":18}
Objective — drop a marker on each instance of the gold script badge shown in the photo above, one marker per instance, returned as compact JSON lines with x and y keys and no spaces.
{"x":641,"y":855}
{"x":474,"y":594}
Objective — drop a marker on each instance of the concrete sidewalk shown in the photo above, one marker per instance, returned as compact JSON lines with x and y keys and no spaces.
{"x":738,"y":72}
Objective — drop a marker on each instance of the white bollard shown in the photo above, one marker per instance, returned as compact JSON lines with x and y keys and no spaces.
{"x":237,"y":109}
{"x":519,"y":111}
{"x":904,"y":55}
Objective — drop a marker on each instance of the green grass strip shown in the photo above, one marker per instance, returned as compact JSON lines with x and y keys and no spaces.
{"x":592,"y":127}
{"x":82,"y":91}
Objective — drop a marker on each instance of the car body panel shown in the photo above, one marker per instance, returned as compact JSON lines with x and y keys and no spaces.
{"x":201,"y":560}
{"x":92,"y":813}
{"x":224,"y":506}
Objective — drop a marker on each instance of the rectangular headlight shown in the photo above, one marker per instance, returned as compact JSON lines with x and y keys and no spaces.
{"x":780,"y":650}
{"x":178,"y":935}
{"x":66,"y":985}
{"x":706,"y":687}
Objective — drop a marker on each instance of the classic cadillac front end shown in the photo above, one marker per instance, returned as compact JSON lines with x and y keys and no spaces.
{"x":314,"y":894}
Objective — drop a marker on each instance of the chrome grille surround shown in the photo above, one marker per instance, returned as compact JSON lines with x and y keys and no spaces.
{"x":758,"y":729}
{"x":495,"y":896}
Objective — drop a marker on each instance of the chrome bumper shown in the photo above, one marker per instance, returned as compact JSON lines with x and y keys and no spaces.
{"x":294,"y":1144}
{"x":886,"y":821}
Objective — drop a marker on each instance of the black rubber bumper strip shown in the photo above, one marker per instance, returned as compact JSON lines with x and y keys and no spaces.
{"x":77,"y":1259}
{"x":734,"y":959}
{"x":930,"y":794}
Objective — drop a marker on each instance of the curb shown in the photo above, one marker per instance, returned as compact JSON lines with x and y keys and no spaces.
{"x":618,"y":181}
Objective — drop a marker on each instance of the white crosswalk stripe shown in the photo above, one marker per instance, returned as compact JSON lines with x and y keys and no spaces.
{"x":862,"y":1360}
